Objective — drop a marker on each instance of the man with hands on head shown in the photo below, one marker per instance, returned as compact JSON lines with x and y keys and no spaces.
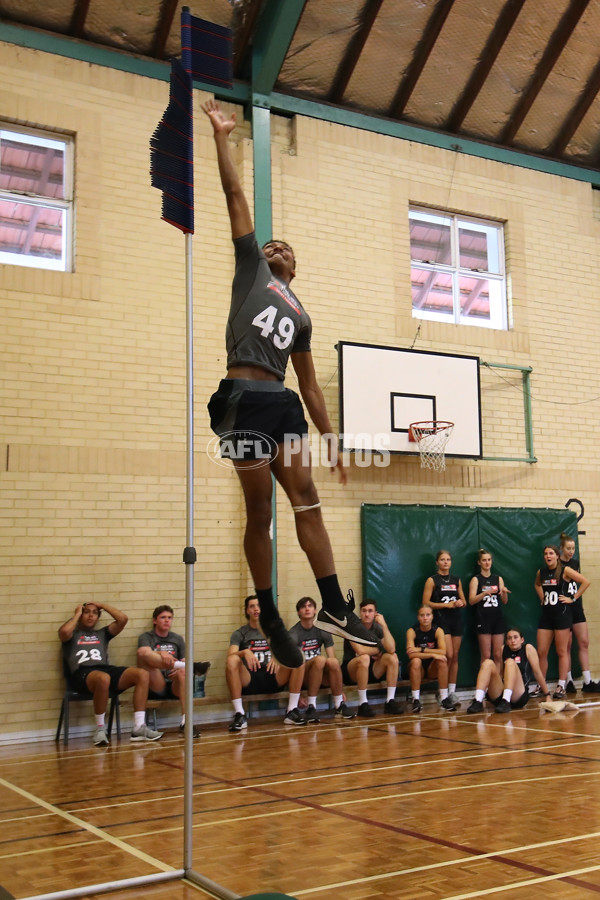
{"x":85,"y":652}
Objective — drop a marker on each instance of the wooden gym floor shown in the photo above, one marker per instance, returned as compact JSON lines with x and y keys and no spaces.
{"x":431,"y":806}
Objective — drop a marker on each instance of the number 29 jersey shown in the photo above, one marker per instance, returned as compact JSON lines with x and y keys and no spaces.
{"x":266,"y":320}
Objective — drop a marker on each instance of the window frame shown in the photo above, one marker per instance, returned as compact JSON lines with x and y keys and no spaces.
{"x":64,"y":205}
{"x":498,"y":318}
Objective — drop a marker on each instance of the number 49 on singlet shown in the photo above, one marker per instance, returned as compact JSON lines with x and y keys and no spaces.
{"x":266,"y":322}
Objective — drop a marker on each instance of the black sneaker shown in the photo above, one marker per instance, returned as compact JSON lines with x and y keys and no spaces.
{"x":570,"y":688}
{"x":592,"y":687}
{"x":448,"y":705}
{"x":294,"y":717}
{"x":238,"y":723}
{"x":538,"y":692}
{"x":502,"y":706}
{"x":283,"y":647}
{"x":195,"y":730}
{"x":342,"y":712}
{"x":201,"y":668}
{"x":392,"y":708}
{"x":475,"y":707}
{"x":310,"y":714}
{"x":365,"y":711}
{"x":559,"y":693}
{"x":348,"y":626}
{"x":416,"y":706}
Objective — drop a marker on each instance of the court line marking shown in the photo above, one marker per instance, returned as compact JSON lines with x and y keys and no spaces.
{"x":519,"y":884}
{"x":468,"y":859}
{"x":51,"y":849}
{"x":86,"y":826}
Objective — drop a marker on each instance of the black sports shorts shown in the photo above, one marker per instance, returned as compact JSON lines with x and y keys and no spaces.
{"x":78,"y":679}
{"x":262,"y":682}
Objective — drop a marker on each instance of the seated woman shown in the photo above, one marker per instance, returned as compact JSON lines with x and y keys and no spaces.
{"x":520,"y":666}
{"x":426,"y":651}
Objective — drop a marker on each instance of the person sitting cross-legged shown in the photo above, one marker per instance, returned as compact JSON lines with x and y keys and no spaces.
{"x":362,"y":664}
{"x":521,"y":665}
{"x":426,"y":651}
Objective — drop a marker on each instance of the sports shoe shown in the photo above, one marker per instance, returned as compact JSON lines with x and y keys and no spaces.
{"x":195,"y":731}
{"x":238,"y":723}
{"x":559,"y":693}
{"x":294,"y":717}
{"x":502,"y":706}
{"x":283,"y":646}
{"x":592,"y":687}
{"x":416,"y":706}
{"x":342,"y":712}
{"x":570,"y":688}
{"x":454,"y":699}
{"x":448,"y":705}
{"x":348,"y":626}
{"x":100,"y":739}
{"x":144,"y":733}
{"x":392,"y":708}
{"x":538,"y":692}
{"x":310,"y":714}
{"x":201,"y":668}
{"x":475,"y":707}
{"x":365,"y":711}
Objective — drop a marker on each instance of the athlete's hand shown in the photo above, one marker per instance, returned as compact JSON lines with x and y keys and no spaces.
{"x":273,"y":666}
{"x":251,"y":660}
{"x":219,"y":121}
{"x":166,"y":660}
{"x":459,"y":603}
{"x":563,"y":599}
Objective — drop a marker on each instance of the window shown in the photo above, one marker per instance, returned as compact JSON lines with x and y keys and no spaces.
{"x":457,"y":269}
{"x":36,"y":199}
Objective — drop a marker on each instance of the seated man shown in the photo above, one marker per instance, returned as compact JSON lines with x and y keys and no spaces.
{"x":426,"y":651}
{"x":318,"y":669}
{"x":162,"y":652}
{"x":250,"y":669}
{"x":362,"y":664}
{"x":85,"y":651}
{"x":520,"y":666}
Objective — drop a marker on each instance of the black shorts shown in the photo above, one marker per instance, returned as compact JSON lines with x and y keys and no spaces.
{"x":252,"y":418}
{"x":450,"y":621}
{"x":578,"y":613}
{"x":262,"y":682}
{"x":490,"y":620}
{"x":166,"y":693}
{"x":77,"y":680}
{"x":347,"y":678}
{"x":519,"y":703}
{"x":556,"y":618}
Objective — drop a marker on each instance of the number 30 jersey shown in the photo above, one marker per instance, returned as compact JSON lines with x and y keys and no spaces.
{"x":87,"y":648}
{"x":266,"y":320}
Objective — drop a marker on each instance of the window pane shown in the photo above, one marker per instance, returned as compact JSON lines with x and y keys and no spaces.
{"x":481,"y":302}
{"x":430,"y":239}
{"x":32,"y":165}
{"x":29,"y":232}
{"x":478,"y":247}
{"x":432,"y":292}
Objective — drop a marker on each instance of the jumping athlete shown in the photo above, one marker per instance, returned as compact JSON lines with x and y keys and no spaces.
{"x":262,"y":420}
{"x":486,"y":593}
{"x":508,"y":690}
{"x":444,"y":594}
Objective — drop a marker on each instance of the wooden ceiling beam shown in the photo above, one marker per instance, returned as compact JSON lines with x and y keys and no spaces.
{"x":80,"y":11}
{"x":354,"y":49}
{"x":557,"y":43}
{"x":487,"y":58}
{"x":575,"y":117}
{"x":163,"y":28}
{"x":243,"y":35}
{"x":422,"y":53}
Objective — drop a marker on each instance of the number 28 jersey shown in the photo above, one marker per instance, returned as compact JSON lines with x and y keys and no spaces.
{"x":87,"y":647}
{"x":266,"y":320}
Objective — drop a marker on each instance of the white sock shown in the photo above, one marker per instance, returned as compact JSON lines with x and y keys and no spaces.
{"x":100,"y":720}
{"x":238,"y":706}
{"x":451,"y":688}
{"x":338,"y":700}
{"x":569,"y":676}
{"x":139,"y":719}
{"x":587,"y":676}
{"x":362,"y":696}
{"x":183,"y":719}
{"x":293,"y":701}
{"x":444,"y":693}
{"x":562,"y":683}
{"x":391,"y":692}
{"x":480,"y":696}
{"x":179,"y":664}
{"x":312,"y":701}
{"x":507,"y":694}
{"x":416,"y":694}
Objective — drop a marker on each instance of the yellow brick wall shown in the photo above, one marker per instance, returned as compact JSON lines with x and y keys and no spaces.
{"x":92,"y":400}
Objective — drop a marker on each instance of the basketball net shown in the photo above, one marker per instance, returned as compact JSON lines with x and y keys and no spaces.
{"x":431,"y":439}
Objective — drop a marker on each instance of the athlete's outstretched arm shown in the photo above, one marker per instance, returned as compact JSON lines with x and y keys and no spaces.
{"x":237,"y":205}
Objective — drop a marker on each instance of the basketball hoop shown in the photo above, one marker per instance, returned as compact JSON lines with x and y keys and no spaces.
{"x":431,"y":439}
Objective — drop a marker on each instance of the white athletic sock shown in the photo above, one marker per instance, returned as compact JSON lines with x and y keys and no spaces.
{"x":507,"y":694}
{"x":312,"y":701}
{"x":139,"y":719}
{"x":362,"y":696}
{"x":444,"y":693}
{"x":179,"y":664}
{"x":480,"y":696}
{"x":391,"y":692}
{"x":183,"y":720}
{"x":562,"y":683}
{"x":569,"y":676}
{"x":451,"y":688}
{"x":100,"y":720}
{"x":238,"y":706}
{"x":587,"y":677}
{"x":293,"y":701}
{"x":338,"y":700}
{"x":416,"y":694}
